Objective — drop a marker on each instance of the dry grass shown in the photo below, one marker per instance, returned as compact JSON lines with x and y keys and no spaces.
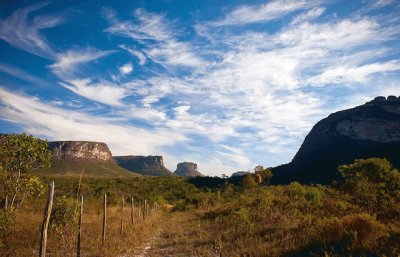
{"x":23,"y":238}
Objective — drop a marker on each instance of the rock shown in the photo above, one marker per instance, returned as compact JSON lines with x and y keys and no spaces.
{"x":92,"y":158}
{"x":187,"y":169}
{"x":379,"y":99}
{"x":80,"y":150}
{"x":370,"y":130}
{"x":145,"y":165}
{"x":239,"y":174}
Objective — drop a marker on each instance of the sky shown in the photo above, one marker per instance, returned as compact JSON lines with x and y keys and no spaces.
{"x":226,"y":84}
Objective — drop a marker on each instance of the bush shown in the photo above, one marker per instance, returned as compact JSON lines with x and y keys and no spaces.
{"x":65,"y":212}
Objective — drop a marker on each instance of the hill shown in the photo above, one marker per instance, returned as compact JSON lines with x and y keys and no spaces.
{"x":144,"y":165}
{"x":187,"y":169}
{"x":369,"y":130}
{"x":71,"y":157}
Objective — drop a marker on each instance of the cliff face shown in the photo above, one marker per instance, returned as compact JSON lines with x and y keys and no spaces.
{"x":187,"y":169}
{"x":80,"y":150}
{"x":145,"y":165}
{"x":94,"y":159}
{"x":369,"y":130}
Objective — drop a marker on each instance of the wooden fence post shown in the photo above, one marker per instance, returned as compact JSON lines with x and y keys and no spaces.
{"x":104,"y":219}
{"x":46,"y":220}
{"x":132,"y":211}
{"x":122,"y":216}
{"x":78,"y":248}
{"x":139,"y":211}
{"x":145,"y":209}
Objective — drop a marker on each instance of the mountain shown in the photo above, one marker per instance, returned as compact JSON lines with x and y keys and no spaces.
{"x":187,"y":169}
{"x":71,"y":157}
{"x":369,"y":130}
{"x":239,"y":174}
{"x":145,"y":165}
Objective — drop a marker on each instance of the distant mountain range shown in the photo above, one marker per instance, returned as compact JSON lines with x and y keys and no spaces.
{"x":369,"y":130}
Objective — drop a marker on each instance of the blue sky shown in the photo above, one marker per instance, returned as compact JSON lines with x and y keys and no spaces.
{"x":226,"y":84}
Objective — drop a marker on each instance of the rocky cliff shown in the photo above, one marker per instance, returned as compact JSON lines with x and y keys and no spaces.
{"x":145,"y":165}
{"x":93,"y":158}
{"x":369,"y":130}
{"x":80,"y":150}
{"x":187,"y":169}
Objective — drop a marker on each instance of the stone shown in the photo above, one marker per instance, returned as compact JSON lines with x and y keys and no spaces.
{"x":370,"y":130}
{"x":239,"y":174}
{"x":145,"y":165}
{"x":80,"y":150}
{"x":379,"y":99}
{"x":187,"y":169}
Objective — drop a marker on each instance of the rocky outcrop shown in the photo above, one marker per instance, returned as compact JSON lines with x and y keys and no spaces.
{"x":72,"y":158}
{"x":187,"y":169}
{"x":369,"y":130}
{"x":239,"y":174}
{"x":80,"y":150}
{"x":145,"y":165}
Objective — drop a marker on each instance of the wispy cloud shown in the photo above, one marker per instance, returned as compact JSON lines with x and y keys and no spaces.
{"x":55,"y":123}
{"x":309,"y":15}
{"x":102,"y":92}
{"x":272,"y":10}
{"x":69,"y":62}
{"x":24,"y":33}
{"x":345,"y":74}
{"x":139,"y":55}
{"x":155,"y":32}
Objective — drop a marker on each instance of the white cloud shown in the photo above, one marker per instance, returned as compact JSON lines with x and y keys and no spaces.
{"x":21,"y":32}
{"x":102,"y":92}
{"x":272,"y":10}
{"x":344,"y":74}
{"x":55,"y":123}
{"x":126,"y":69}
{"x":340,"y":35}
{"x":68,"y":63}
{"x":139,"y":55}
{"x":382,"y":3}
{"x":309,"y":15}
{"x":156,"y":34}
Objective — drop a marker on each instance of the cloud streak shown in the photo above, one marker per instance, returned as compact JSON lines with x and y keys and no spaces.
{"x":24,"y":33}
{"x":154,"y":32}
{"x":55,"y":123}
{"x":275,"y":9}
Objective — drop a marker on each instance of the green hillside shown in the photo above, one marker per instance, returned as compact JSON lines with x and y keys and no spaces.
{"x":91,"y":169}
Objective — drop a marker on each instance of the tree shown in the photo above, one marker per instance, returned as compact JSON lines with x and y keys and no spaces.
{"x":19,"y":154}
{"x":248,"y":182}
{"x":264,"y":175}
{"x":374,"y":184}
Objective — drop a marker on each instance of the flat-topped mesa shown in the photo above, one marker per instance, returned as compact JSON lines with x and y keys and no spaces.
{"x":80,"y":150}
{"x":187,"y":169}
{"x":145,"y":165}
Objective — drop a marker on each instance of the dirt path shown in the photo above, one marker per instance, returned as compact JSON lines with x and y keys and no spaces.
{"x":181,"y":235}
{"x":143,"y":251}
